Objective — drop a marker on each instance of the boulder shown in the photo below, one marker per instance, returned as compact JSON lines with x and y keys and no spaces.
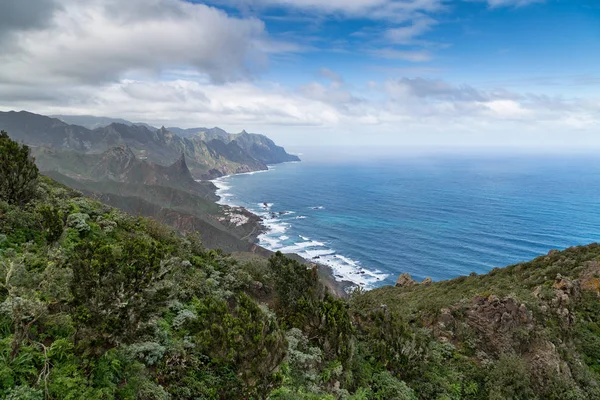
{"x":405,"y":280}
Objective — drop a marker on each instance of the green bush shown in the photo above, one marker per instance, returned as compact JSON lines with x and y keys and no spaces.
{"x":18,"y":173}
{"x":52,"y":222}
{"x":386,"y":386}
{"x":509,"y":380}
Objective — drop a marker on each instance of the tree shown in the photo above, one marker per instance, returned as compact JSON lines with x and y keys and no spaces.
{"x":18,"y":173}
{"x":113,"y":289}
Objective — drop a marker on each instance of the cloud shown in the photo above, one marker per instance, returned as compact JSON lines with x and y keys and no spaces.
{"x":408,"y":55}
{"x":174,"y":62}
{"x":397,"y":10}
{"x":330,"y":75}
{"x":23,"y":15}
{"x":105,"y":40}
{"x":336,"y":106}
{"x":512,"y":3}
{"x":436,"y":89}
{"x":406,"y":34}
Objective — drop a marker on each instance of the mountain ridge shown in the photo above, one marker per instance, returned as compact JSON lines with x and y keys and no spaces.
{"x":160,"y":146}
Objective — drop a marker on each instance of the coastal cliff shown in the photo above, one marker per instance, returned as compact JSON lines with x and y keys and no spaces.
{"x":152,"y":172}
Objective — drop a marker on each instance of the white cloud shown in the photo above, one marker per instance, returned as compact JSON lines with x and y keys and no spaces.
{"x":408,"y":55}
{"x":406,"y":34}
{"x":384,"y":107}
{"x":512,"y":3}
{"x":399,"y":10}
{"x":104,"y":40}
{"x":508,"y":109}
{"x":187,"y":103}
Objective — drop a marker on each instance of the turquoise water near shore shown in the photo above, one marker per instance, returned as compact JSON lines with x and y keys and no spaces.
{"x":437,"y":216}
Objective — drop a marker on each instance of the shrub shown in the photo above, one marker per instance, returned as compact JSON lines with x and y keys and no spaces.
{"x":18,"y":173}
{"x":78,"y":222}
{"x":52,"y":223}
{"x":509,"y":379}
{"x":24,"y":393}
{"x":386,"y":386}
{"x":147,"y":352}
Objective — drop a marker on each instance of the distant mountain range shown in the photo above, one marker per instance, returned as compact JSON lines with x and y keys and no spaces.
{"x":160,"y":173}
{"x":92,"y":122}
{"x":210,"y":153}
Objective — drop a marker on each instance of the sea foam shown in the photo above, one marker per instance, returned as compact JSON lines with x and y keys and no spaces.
{"x":277,"y":238}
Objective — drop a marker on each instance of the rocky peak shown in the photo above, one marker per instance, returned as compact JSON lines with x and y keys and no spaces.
{"x":180,"y":163}
{"x":180,"y":168}
{"x":121,"y":153}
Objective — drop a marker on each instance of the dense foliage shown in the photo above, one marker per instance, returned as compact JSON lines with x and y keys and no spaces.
{"x":97,"y":304}
{"x":18,"y":172}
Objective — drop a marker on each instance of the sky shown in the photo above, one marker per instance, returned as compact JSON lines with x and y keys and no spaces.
{"x":379,"y":75}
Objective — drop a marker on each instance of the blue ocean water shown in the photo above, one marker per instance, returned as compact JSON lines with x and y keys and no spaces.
{"x":438,"y":216}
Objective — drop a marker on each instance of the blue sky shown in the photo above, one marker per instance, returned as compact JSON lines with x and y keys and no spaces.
{"x":378,"y":74}
{"x":528,"y":45}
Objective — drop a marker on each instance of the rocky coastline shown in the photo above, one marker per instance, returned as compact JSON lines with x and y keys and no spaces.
{"x":256,"y":227}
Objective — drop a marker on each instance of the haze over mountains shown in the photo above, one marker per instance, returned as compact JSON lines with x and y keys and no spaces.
{"x":161,"y":173}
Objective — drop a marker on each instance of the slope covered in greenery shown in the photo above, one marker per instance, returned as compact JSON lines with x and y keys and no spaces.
{"x":98,"y":304}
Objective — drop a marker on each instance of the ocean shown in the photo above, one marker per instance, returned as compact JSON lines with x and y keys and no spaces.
{"x":437,"y":216}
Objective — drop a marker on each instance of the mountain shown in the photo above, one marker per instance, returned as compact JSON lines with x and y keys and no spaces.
{"x":527,"y":331}
{"x":148,"y":172}
{"x":92,"y":122}
{"x":202,"y":133}
{"x":257,"y":146}
{"x":263,"y":149}
{"x":208,"y":155}
{"x":120,"y":164}
{"x":168,"y":194}
{"x":39,"y":130}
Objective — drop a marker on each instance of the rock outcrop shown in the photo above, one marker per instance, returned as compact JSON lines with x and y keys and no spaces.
{"x":406,"y":280}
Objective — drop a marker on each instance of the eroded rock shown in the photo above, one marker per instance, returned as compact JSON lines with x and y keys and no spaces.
{"x":405,"y":280}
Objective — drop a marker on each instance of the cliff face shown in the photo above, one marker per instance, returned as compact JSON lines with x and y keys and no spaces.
{"x":263,"y":149}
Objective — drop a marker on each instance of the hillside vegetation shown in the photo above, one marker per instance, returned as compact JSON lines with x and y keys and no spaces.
{"x":99,"y":304}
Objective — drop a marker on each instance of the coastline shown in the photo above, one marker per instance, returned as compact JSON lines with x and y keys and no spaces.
{"x":341,"y":288}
